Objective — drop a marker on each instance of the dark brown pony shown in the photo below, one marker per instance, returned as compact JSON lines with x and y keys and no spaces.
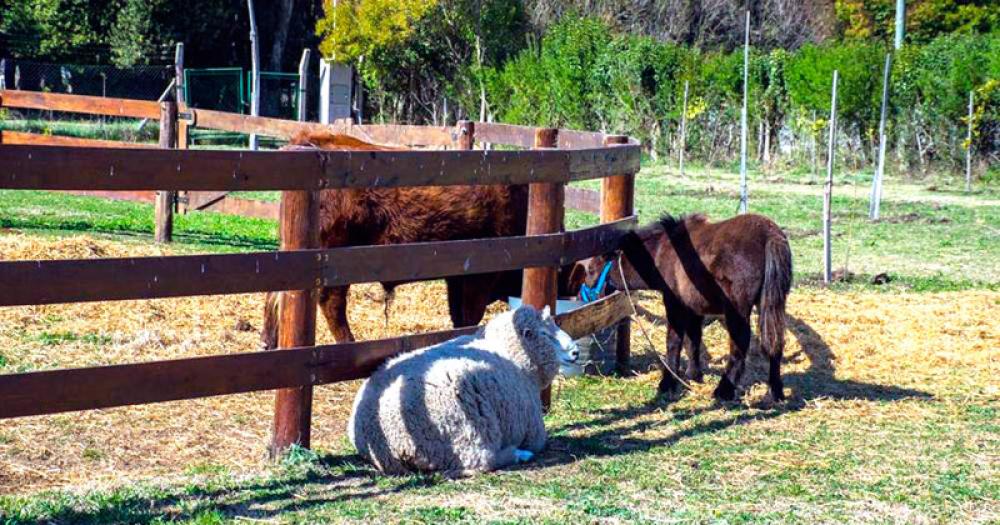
{"x":361,"y":217}
{"x":703,"y":269}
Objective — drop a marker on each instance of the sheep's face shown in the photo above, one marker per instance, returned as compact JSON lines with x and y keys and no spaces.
{"x":533,"y":341}
{"x":566,"y":349}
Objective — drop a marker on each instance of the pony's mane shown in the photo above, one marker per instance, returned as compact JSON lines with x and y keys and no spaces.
{"x":670,"y":224}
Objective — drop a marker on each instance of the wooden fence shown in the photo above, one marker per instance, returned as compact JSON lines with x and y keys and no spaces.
{"x":555,"y":157}
{"x":191,"y":199}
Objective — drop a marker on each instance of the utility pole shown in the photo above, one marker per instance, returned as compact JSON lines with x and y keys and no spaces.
{"x":828,"y":189}
{"x":255,"y":71}
{"x":303,"y":84}
{"x":744,"y":196}
{"x":968,"y":150}
{"x":683,"y":128}
{"x":876,"y":197}
{"x":900,"y":22}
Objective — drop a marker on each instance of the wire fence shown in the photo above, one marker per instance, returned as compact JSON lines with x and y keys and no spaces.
{"x":137,"y":82}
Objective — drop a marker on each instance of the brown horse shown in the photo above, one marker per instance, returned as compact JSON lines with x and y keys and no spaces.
{"x":703,"y":269}
{"x":377,"y":216}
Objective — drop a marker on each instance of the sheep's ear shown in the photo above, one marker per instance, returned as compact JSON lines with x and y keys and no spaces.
{"x":546,"y":313}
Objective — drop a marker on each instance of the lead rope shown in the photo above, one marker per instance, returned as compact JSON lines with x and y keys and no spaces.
{"x":649,"y":341}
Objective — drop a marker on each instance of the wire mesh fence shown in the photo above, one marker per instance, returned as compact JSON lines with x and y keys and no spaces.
{"x":221,"y":89}
{"x":137,"y":82}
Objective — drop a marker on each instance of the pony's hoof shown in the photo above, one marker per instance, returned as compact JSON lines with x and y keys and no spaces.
{"x":726,"y":391}
{"x":778,"y":396}
{"x":523,"y":456}
{"x":668,"y":386}
{"x":695,"y":377}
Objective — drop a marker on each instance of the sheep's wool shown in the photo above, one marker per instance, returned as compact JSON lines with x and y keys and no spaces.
{"x":463,"y":406}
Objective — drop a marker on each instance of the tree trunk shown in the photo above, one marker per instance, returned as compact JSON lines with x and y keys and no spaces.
{"x":283,"y":19}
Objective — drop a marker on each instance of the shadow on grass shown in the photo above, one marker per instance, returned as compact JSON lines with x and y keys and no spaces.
{"x":817,"y":381}
{"x":329,"y":479}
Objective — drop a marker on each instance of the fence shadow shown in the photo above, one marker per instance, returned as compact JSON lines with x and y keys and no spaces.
{"x":334,"y":478}
{"x":817,"y":381}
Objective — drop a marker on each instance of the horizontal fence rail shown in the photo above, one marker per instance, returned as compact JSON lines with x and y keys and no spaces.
{"x":37,"y":139}
{"x":72,"y":168}
{"x":82,"y":280}
{"x":115,"y":107}
{"x":49,"y":392}
{"x":383,"y":134}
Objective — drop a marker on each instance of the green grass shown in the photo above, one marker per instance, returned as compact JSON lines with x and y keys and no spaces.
{"x":93,"y":128}
{"x":55,"y":213}
{"x":843,"y":451}
{"x":614,"y":457}
{"x":923,"y":240}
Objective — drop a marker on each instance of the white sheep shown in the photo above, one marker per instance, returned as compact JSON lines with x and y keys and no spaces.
{"x":464,"y":406}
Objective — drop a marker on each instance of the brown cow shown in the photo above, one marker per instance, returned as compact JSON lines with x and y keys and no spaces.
{"x":378,"y":216}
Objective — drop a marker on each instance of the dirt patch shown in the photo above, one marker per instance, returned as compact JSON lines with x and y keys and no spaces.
{"x":911,"y":217}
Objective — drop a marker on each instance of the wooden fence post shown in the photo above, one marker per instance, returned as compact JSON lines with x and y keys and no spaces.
{"x":617,"y":202}
{"x":164,"y":229}
{"x":466,"y":138}
{"x":546,"y":203}
{"x":296,"y":322}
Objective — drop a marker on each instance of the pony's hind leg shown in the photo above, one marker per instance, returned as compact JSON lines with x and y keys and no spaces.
{"x":773,"y":346}
{"x":694,"y":329}
{"x":333,"y":302}
{"x":738,"y":326}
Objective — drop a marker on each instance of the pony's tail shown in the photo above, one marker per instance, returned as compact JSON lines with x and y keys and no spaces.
{"x":269,"y":333}
{"x":774,"y":294}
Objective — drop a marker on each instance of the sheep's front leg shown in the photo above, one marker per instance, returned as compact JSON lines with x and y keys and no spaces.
{"x":535,"y":435}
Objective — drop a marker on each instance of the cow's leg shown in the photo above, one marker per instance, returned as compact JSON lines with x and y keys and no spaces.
{"x":468,"y":297}
{"x":456,"y":286}
{"x":333,"y":302}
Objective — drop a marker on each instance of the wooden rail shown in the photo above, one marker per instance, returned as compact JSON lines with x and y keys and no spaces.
{"x":21,"y":138}
{"x":83,"y":280}
{"x":49,"y":392}
{"x":68,"y":168}
{"x":115,"y":107}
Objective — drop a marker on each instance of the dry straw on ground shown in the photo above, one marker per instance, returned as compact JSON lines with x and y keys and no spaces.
{"x":944,"y":345}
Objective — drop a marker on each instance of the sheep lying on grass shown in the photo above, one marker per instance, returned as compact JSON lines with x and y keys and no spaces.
{"x":464,"y":406}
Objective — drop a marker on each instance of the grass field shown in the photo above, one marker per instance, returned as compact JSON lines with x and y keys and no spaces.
{"x":893,"y":417}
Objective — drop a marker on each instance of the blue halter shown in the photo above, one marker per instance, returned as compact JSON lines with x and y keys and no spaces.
{"x":588,"y":293}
